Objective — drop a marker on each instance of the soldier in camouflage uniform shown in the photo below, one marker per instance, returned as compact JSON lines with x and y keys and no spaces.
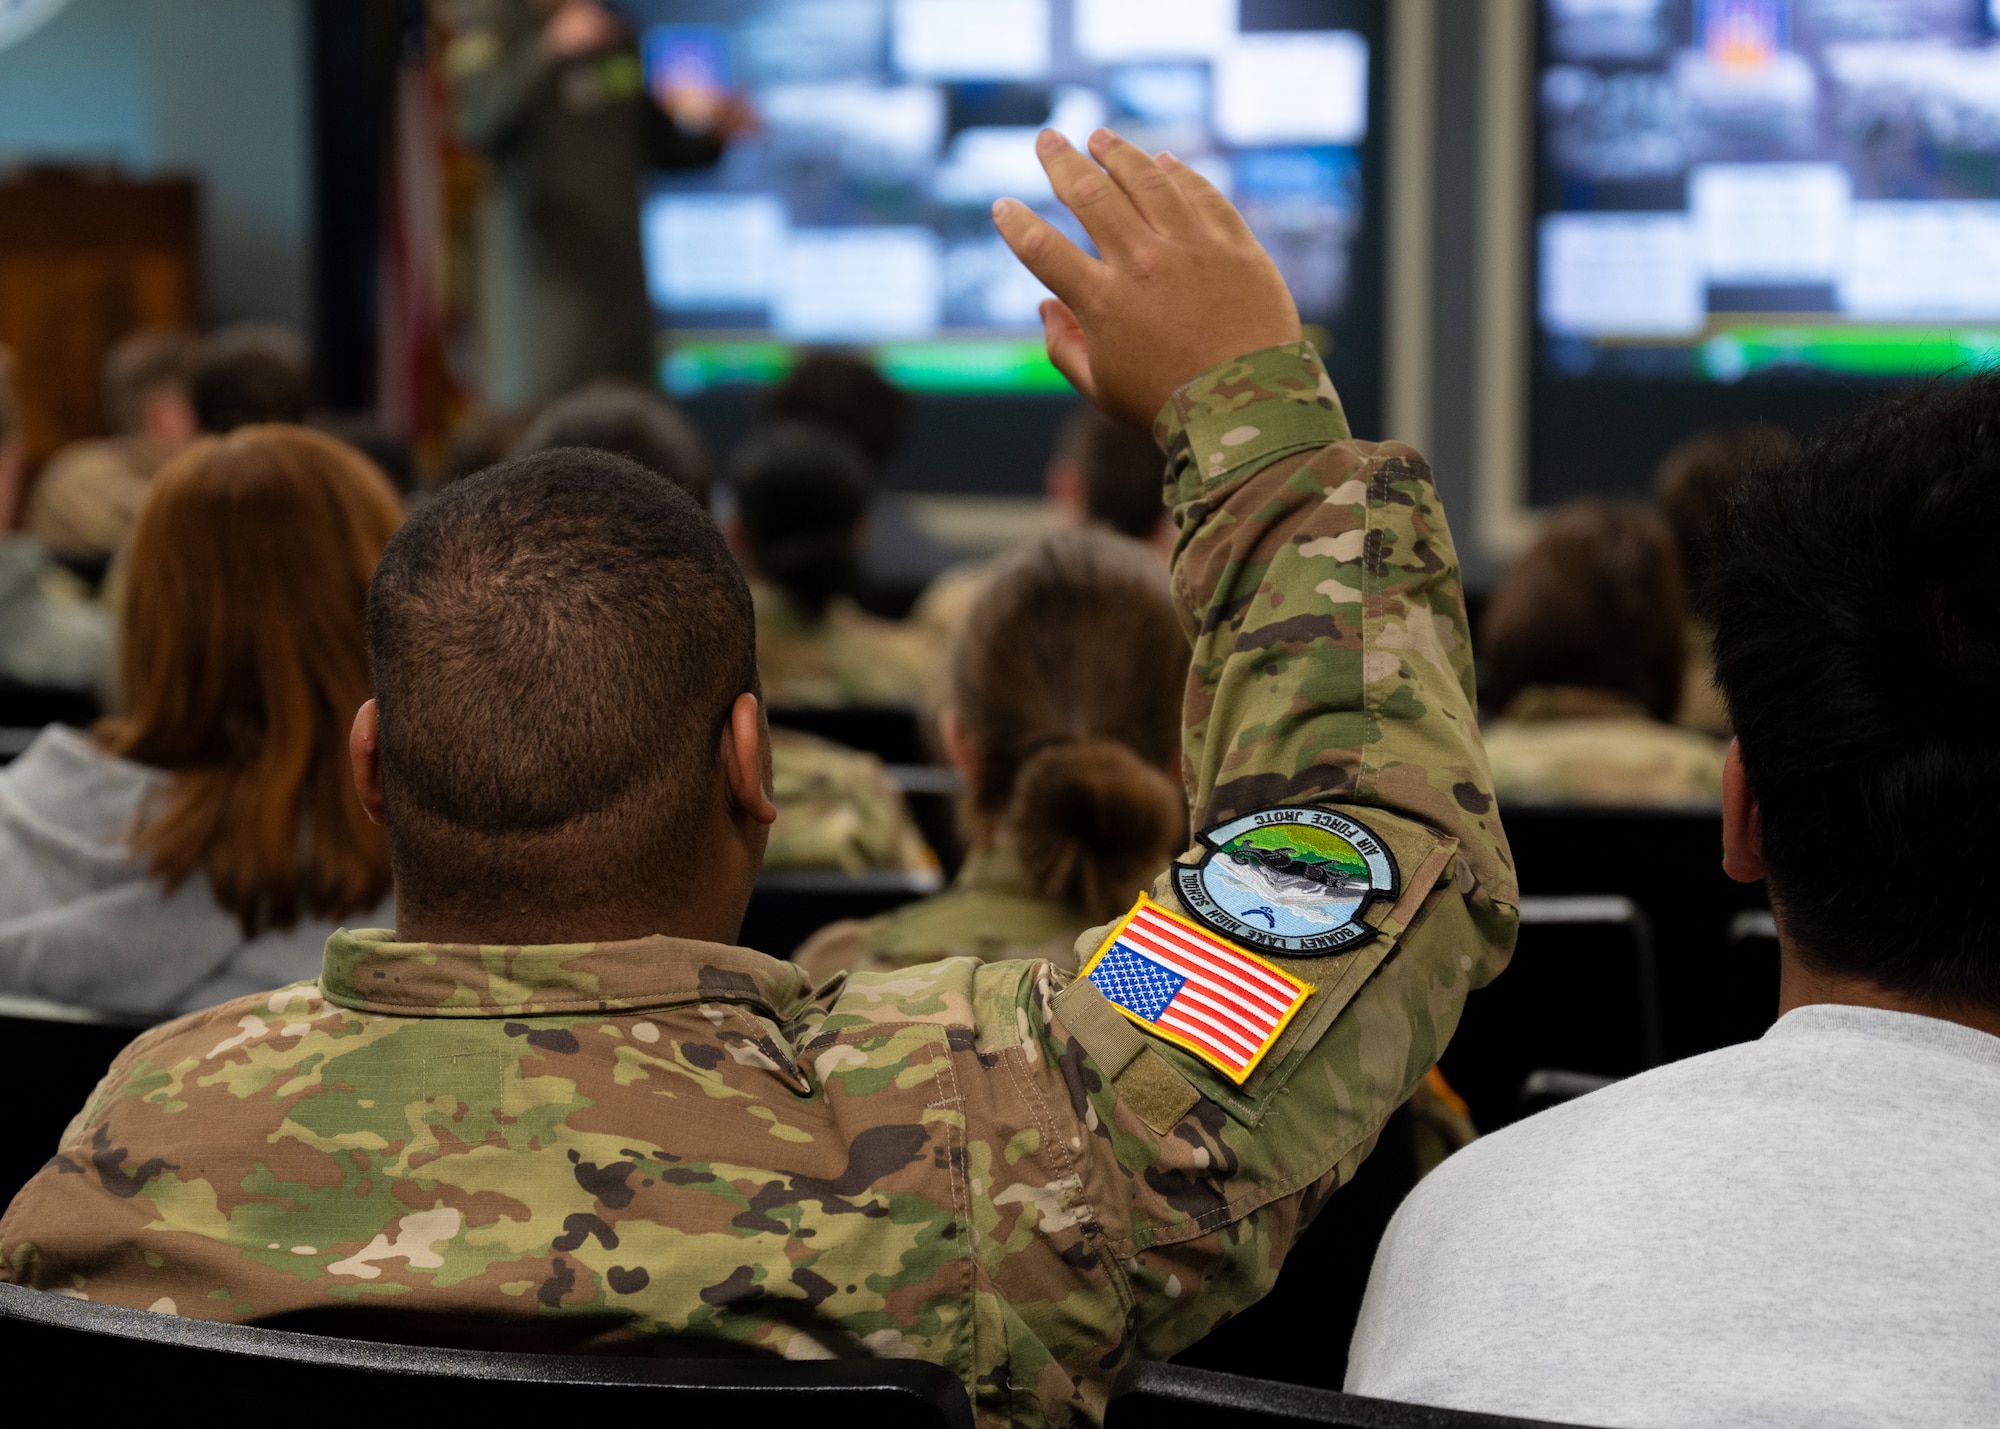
{"x":985,"y":1166}
{"x":838,"y":810}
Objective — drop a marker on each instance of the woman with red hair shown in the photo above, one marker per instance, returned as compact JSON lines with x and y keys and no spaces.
{"x":204,"y":843}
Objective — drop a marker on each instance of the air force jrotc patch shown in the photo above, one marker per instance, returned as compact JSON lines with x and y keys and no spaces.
{"x":1288,"y":880}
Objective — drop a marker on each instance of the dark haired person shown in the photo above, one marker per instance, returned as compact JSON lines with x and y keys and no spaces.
{"x":250,"y":374}
{"x":1692,"y":489}
{"x":1581,"y":653}
{"x":801,"y":497}
{"x":557,"y":1108}
{"x":613,"y":415}
{"x":87,"y":497}
{"x":1804,"y":1229}
{"x":850,"y":395}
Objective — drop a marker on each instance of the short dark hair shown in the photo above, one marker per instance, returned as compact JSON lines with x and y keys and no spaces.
{"x":1856,"y":600}
{"x":624,"y":418}
{"x":1696,"y":479}
{"x":1121,"y":471}
{"x":1595,"y":601}
{"x":248,"y":375}
{"x":140,"y":364}
{"x":556,"y":644}
{"x":847,"y":393}
{"x":373,"y":438}
{"x":801,"y":491}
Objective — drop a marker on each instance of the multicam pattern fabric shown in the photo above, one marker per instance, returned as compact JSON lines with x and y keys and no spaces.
{"x":848,"y":657}
{"x":980,"y":1165}
{"x":1565,"y":745}
{"x":990,"y":912}
{"x":839,"y":810}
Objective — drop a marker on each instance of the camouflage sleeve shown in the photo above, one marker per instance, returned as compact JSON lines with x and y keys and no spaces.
{"x":1332,"y":670}
{"x":495,"y":67}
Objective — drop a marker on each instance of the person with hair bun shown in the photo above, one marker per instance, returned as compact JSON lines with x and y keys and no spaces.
{"x":205,"y":843}
{"x":1064,"y":719}
{"x":801,"y":498}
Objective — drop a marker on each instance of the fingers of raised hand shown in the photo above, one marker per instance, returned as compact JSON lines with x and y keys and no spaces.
{"x":1065,"y":269}
{"x":1103,"y":209}
{"x":1206,"y":200}
{"x":1152,"y":193}
{"x":1067,"y":347}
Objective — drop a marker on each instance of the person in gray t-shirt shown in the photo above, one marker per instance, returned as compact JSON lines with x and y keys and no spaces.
{"x":1805,"y":1229}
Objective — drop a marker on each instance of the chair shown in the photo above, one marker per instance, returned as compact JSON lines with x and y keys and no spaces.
{"x":32,"y":706}
{"x":1581,"y":996}
{"x":320,"y":1377}
{"x":1170,"y":1396}
{"x":1712,"y":992}
{"x":788,"y":906}
{"x":51,"y":1059}
{"x":892,"y":733}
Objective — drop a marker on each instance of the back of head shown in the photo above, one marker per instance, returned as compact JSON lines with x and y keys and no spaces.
{"x":1120,"y":470}
{"x":1696,"y":480}
{"x":629,"y":421}
{"x":1595,"y":602}
{"x":142,"y":364}
{"x":556,"y":645}
{"x":846,"y":393}
{"x":1856,"y":601}
{"x":243,"y":663}
{"x":371,"y":436}
{"x":1067,"y":682}
{"x":801,"y":491}
{"x":481,"y":438}
{"x":250,"y":374}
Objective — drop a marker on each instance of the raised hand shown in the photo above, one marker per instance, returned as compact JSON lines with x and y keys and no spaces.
{"x":1182,"y":284}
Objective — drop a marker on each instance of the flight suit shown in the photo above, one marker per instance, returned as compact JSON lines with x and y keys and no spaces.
{"x":981,"y":1165}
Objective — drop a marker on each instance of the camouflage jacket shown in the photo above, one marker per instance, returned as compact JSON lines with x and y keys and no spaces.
{"x":989,"y":913}
{"x":839,"y":810}
{"x":848,"y":657}
{"x":980,"y":1165}
{"x":1560,"y":744}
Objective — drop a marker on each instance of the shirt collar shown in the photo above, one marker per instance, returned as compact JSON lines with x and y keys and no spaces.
{"x":1540,"y":704}
{"x":369,"y":971}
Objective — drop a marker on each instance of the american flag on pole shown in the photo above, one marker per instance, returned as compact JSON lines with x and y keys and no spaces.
{"x":1182,"y":983}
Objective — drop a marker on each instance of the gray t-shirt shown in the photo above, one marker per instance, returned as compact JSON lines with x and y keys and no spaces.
{"x":1801,"y":1230}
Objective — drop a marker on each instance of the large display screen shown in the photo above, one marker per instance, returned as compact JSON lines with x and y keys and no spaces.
{"x":1742,"y":191}
{"x":860,"y":213}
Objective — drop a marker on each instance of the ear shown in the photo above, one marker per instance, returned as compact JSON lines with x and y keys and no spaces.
{"x":364,"y":752}
{"x":1742,"y":826}
{"x":746,"y":760}
{"x":958,"y":751}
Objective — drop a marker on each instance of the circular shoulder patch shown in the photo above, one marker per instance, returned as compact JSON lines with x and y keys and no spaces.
{"x":1288,"y":880}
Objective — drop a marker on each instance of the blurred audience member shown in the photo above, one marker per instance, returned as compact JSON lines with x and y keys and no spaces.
{"x":1803,"y":1229}
{"x":801,"y":496}
{"x":51,"y":635}
{"x":370,"y":435}
{"x":206,"y":843}
{"x":1065,"y":722}
{"x":1102,"y":474}
{"x":1693,"y":487}
{"x":612,"y":415}
{"x":1581,"y":658}
{"x":847,"y":393}
{"x":838,"y":810}
{"x":251,"y":373}
{"x":480,"y":438}
{"x":88,"y":495}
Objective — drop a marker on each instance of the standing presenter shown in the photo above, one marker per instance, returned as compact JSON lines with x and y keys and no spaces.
{"x":554,"y":94}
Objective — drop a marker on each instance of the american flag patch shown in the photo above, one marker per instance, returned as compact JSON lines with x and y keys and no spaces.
{"x":1182,"y":983}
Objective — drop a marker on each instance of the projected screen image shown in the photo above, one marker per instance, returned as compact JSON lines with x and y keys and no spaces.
{"x":1735,"y":189}
{"x":860,"y":213}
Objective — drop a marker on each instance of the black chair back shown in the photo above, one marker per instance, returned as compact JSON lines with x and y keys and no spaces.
{"x":1580,"y":996}
{"x":76,"y":1342}
{"x":1712,"y":992}
{"x":787,"y":907}
{"x":892,"y":733}
{"x":51,"y":1058}
{"x":1170,"y":1396}
{"x":25,"y":706}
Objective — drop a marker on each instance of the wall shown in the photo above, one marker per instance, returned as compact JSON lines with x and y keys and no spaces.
{"x":217,"y":88}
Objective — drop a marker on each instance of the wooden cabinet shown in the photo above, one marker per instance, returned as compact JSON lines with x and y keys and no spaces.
{"x":85,"y":258}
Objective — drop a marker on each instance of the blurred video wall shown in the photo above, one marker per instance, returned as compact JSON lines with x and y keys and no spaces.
{"x":1754,"y":208}
{"x":861,"y":213}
